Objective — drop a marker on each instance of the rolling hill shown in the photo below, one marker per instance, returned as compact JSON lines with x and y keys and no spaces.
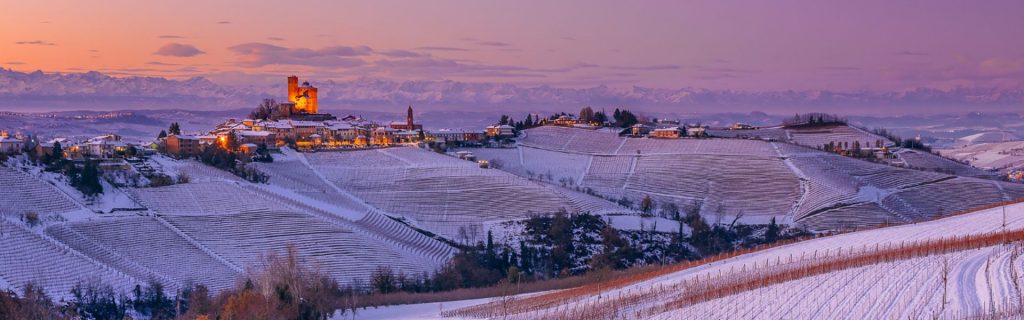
{"x":752,"y":179}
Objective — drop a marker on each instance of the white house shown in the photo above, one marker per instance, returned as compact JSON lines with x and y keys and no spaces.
{"x":11,"y":144}
{"x":500,"y":131}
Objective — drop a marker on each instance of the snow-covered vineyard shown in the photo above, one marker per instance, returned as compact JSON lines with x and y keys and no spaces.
{"x":338,"y":210}
{"x":753,"y":179}
{"x":956,"y":267}
{"x":347,"y":213}
{"x":209,"y":231}
{"x":444,"y":195}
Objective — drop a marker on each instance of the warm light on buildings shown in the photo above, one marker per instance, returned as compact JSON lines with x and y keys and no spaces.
{"x":303,"y":96}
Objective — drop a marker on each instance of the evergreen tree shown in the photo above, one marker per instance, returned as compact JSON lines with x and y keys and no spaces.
{"x":57,"y":155}
{"x":174,"y":129}
{"x":600,"y":117}
{"x":163,"y":134}
{"x":490,"y":242}
{"x":772,"y":233}
{"x":626,"y":119}
{"x":89,"y":182}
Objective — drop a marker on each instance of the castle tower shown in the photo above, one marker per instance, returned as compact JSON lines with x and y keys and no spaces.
{"x":408,"y":118}
{"x":293,"y":88}
{"x":304,"y":96}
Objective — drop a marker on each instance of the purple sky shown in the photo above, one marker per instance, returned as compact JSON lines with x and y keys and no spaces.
{"x":722,"y":45}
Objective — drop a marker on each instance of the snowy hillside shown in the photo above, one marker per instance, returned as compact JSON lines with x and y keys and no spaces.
{"x":988,"y":137}
{"x":996,"y":155}
{"x":438,"y":193}
{"x":956,"y":267}
{"x":209,"y":231}
{"x":749,"y":178}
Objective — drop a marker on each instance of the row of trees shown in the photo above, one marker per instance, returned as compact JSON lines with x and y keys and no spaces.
{"x":566,"y":244}
{"x":814,"y":119}
{"x":620,"y":118}
{"x":173,"y":129}
{"x":913,"y":143}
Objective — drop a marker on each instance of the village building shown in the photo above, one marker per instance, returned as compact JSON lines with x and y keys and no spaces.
{"x":503,"y":130}
{"x":183,"y":146}
{"x":46,"y":148}
{"x":106,"y":146}
{"x":266,"y":138}
{"x":446,"y":135}
{"x":10,"y":144}
{"x":741,"y":126}
{"x":638,"y":130}
{"x":569,"y":121}
{"x":408,"y":125}
{"x":666,"y":133}
{"x":696,"y":131}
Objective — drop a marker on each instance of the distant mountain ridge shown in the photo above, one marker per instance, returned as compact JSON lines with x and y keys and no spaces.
{"x":97,"y":91}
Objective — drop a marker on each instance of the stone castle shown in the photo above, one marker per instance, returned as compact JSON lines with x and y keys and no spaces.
{"x":302,"y":102}
{"x":303,"y":97}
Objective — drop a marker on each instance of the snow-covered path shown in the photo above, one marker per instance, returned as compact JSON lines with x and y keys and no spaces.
{"x":966,"y":275}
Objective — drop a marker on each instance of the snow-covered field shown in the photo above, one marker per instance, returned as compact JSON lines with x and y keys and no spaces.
{"x":942,"y":283}
{"x":994,"y":155}
{"x":845,"y":135}
{"x":439,"y":193}
{"x":209,"y":231}
{"x":752,"y":179}
{"x":926,"y":161}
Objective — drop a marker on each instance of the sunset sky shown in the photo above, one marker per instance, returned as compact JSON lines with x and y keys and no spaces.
{"x":733,"y":45}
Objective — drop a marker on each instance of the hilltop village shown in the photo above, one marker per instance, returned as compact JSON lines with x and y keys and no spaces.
{"x":298,"y":124}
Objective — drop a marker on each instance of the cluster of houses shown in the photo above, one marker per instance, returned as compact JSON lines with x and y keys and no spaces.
{"x":350,"y":132}
{"x":109,"y":151}
{"x":297,"y":123}
{"x":665,"y":130}
{"x":108,"y":146}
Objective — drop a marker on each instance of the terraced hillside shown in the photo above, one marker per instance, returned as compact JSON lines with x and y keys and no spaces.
{"x":441,"y":194}
{"x":921,"y":160}
{"x":839,"y":134}
{"x":27,"y":256}
{"x":813,"y":137}
{"x":210,"y":231}
{"x":752,"y":178}
{"x":23,"y":193}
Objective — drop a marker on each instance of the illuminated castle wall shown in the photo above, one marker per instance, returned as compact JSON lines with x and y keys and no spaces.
{"x":303,"y":96}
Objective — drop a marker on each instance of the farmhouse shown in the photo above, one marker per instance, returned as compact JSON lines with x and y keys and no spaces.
{"x":503,"y":130}
{"x":10,"y":144}
{"x":666,"y":133}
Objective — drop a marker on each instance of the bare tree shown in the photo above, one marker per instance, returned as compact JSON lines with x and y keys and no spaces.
{"x":945,"y":283}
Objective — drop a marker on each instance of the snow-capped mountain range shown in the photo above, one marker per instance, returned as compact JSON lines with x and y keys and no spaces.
{"x":25,"y":91}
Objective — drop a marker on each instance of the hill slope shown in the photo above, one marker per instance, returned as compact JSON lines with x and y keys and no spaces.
{"x":753,"y":179}
{"x":956,"y":267}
